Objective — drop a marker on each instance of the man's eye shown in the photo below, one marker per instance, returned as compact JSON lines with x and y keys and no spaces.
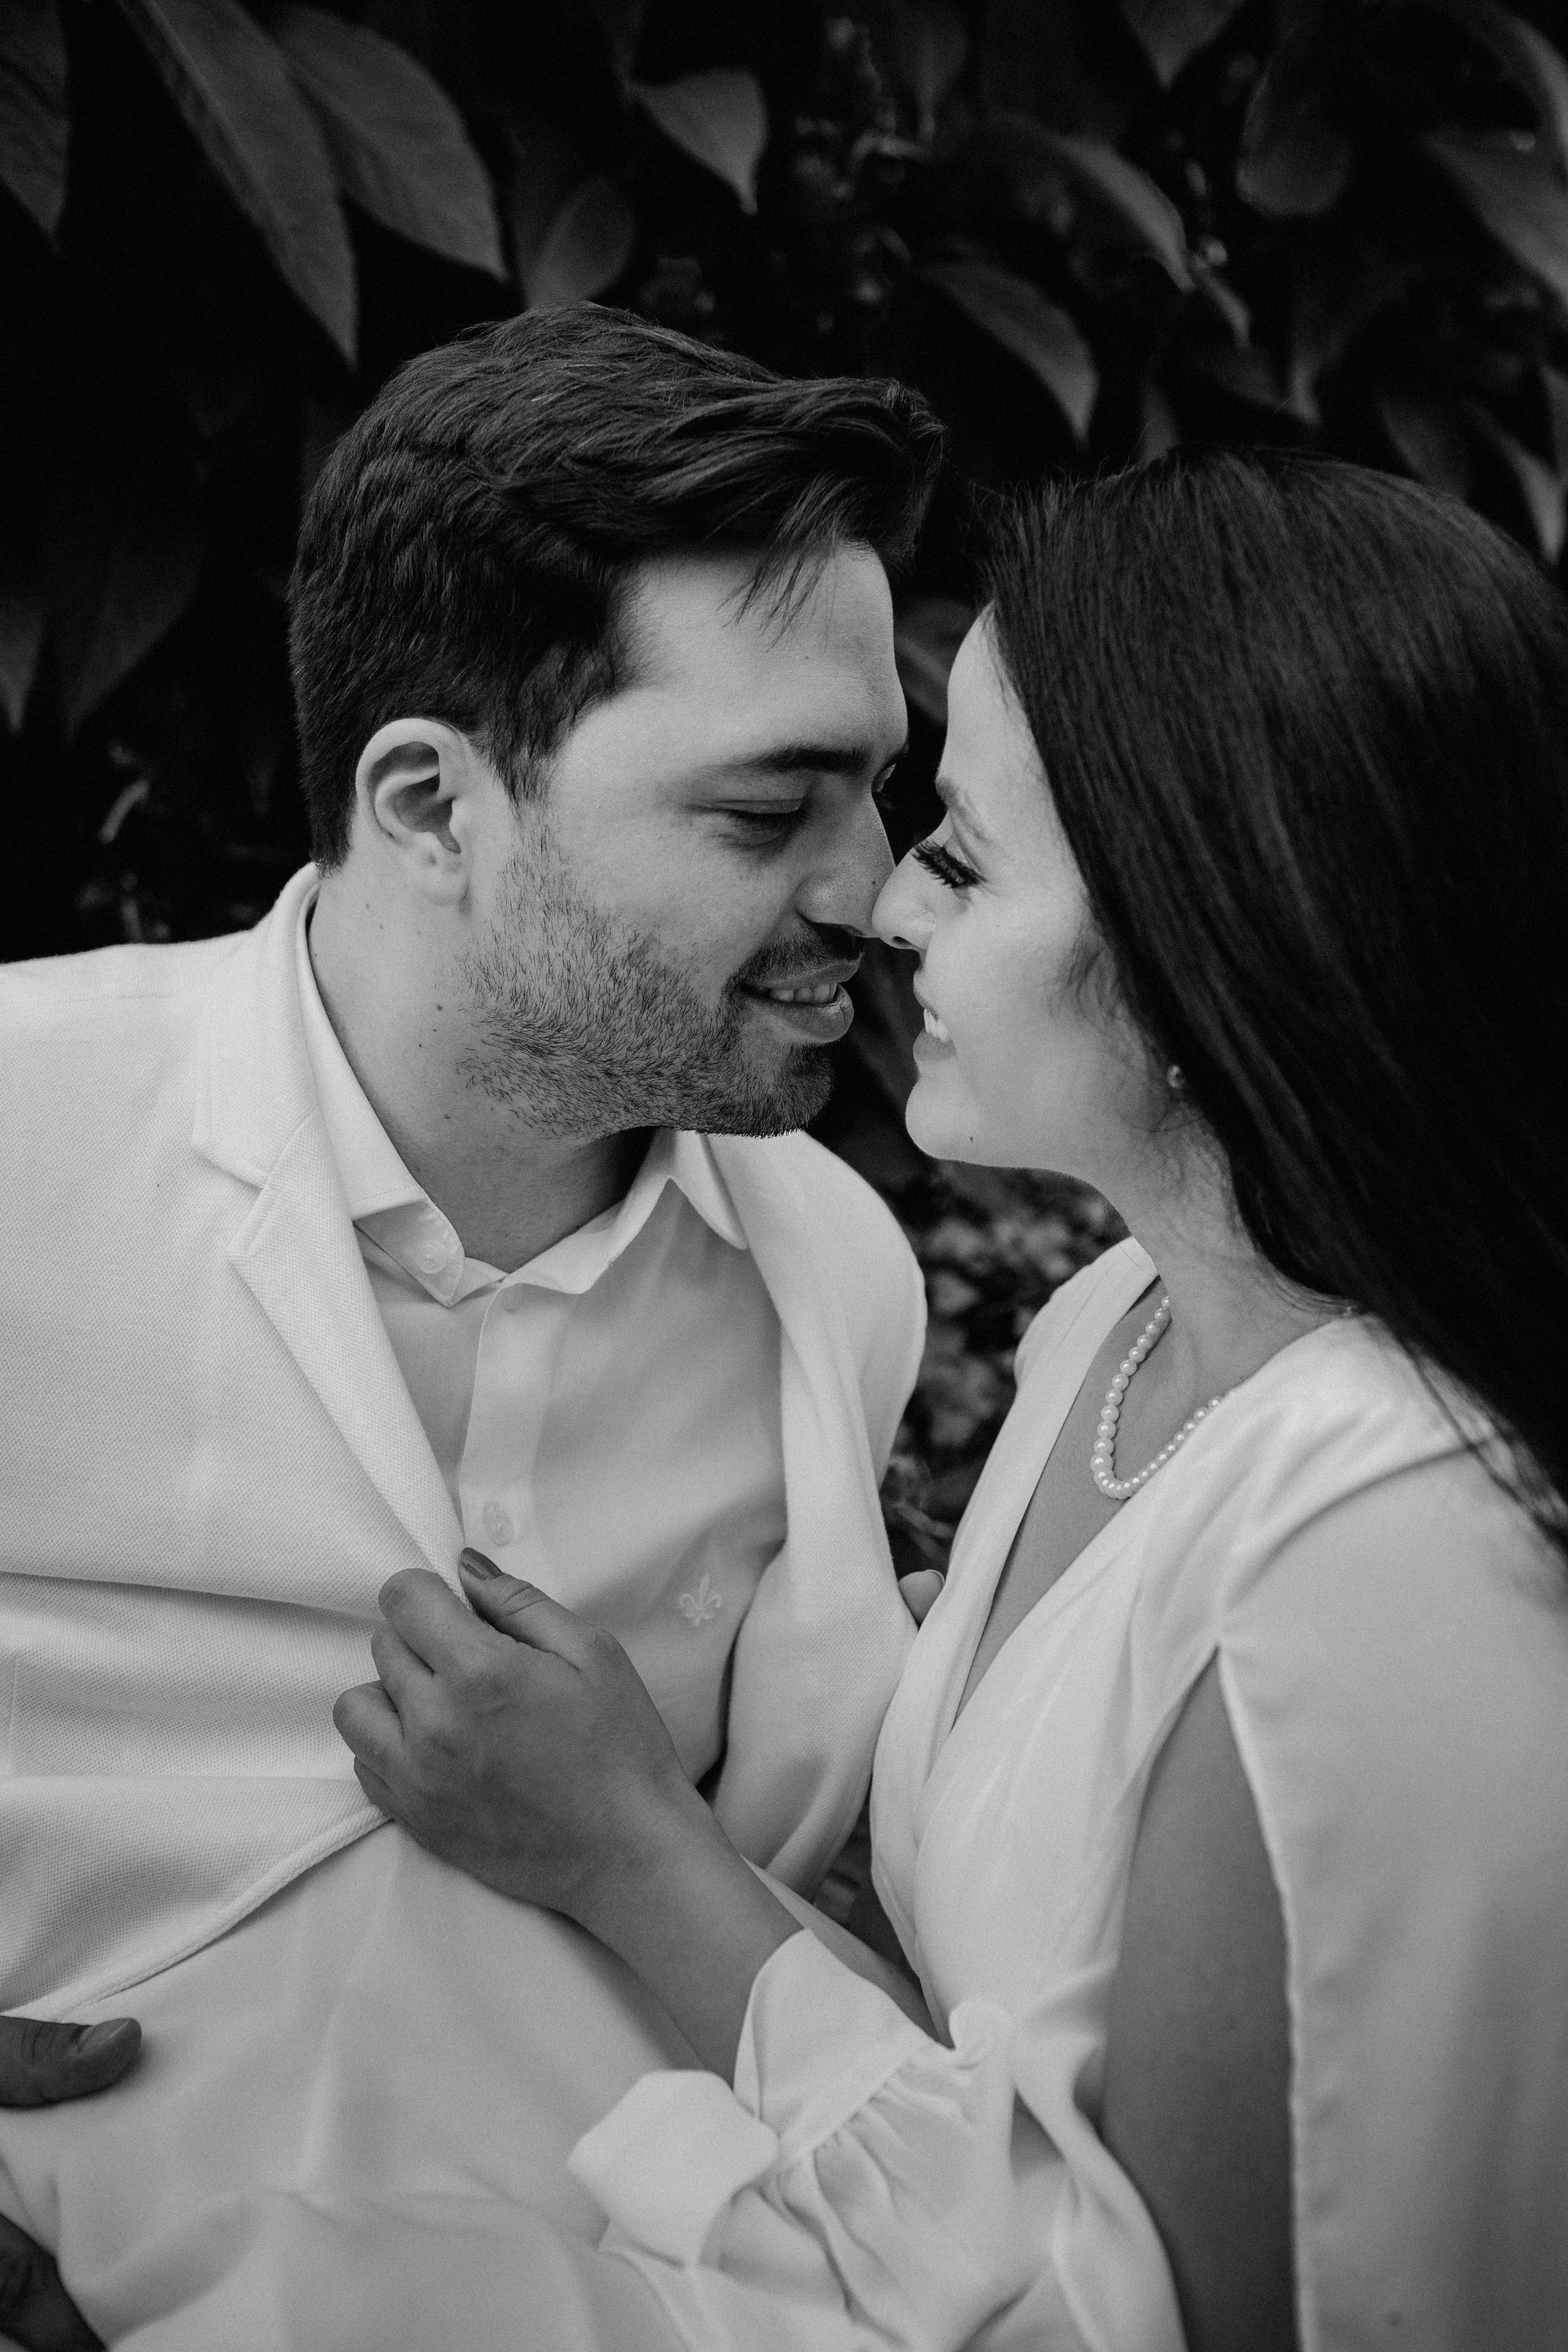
{"x":767,"y":821}
{"x":947,"y":868}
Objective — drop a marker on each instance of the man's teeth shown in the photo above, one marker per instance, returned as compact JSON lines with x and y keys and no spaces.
{"x":935,"y":1028}
{"x":823,"y":993}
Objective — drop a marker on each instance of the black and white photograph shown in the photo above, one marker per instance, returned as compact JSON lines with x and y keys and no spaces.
{"x":784,"y":1222}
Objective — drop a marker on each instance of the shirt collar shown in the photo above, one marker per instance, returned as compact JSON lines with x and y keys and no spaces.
{"x":371,"y":1169}
{"x":675,"y":1156}
{"x":395,"y":1212}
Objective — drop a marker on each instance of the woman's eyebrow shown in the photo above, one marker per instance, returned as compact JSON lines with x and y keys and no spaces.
{"x":954,"y":797}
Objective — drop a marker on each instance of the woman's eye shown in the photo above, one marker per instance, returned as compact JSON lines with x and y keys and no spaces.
{"x":949,"y":870}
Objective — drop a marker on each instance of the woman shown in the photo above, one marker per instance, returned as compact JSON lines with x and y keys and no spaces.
{"x":1223,"y":1810}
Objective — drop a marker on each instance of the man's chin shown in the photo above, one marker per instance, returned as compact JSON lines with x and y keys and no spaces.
{"x":778,"y":1102}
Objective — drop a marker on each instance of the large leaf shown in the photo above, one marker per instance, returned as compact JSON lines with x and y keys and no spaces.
{"x":1555,"y":386}
{"x":21,"y":633}
{"x":1242,"y":370}
{"x":124,"y":554}
{"x":1035,"y":157}
{"x":1223,"y":298}
{"x":1514,"y":194}
{"x":1295,"y":161}
{"x":1292,"y":164}
{"x":234,"y":89}
{"x":1074,"y":64}
{"x":1339,"y":290}
{"x":585,"y":248}
{"x":34,"y":124}
{"x":1429,"y":436}
{"x":926,"y":43}
{"x":1540,"y":485}
{"x":547,"y":168}
{"x":398,"y":141}
{"x":1528,"y":58}
{"x":721,"y":120}
{"x":1159,"y":428}
{"x":1174,"y":31}
{"x":619,"y":22}
{"x":1016,"y":315}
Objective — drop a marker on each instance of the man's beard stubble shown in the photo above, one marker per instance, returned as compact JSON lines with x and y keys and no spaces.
{"x":587,"y":1031}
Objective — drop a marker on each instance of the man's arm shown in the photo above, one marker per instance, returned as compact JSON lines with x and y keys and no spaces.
{"x":41,"y":2064}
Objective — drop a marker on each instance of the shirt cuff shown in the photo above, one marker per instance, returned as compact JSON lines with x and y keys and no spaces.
{"x":816,"y":2043}
{"x":667,"y":2158}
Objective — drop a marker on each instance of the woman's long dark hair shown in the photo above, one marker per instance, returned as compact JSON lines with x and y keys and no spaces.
{"x":1306,"y":729}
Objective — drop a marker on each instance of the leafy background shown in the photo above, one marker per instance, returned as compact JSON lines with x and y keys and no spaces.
{"x":1086,"y":229}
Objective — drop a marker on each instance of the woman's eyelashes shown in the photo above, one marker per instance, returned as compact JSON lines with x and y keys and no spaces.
{"x":949,"y":870}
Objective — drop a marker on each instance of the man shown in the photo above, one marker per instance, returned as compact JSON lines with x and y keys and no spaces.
{"x":396,"y":1224}
{"x":41,"y":2064}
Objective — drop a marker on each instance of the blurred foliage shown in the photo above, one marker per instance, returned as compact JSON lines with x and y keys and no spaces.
{"x":1086,"y":229}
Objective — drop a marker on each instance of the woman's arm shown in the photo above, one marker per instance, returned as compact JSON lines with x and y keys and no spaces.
{"x":488,"y":1736}
{"x":522,"y":1746}
{"x":1197,"y":2080}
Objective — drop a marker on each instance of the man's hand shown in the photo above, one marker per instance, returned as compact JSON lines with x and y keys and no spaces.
{"x":40,"y":2064}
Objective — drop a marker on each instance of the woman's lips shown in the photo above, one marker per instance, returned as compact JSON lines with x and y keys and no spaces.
{"x":934,"y":1044}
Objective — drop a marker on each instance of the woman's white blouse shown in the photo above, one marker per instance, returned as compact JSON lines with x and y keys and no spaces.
{"x":1400,"y":1704}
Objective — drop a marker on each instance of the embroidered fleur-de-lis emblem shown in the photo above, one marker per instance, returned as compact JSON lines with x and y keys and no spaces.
{"x":705,"y":1602}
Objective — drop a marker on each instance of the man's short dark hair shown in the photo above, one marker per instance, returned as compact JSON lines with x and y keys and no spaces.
{"x":466,"y":545}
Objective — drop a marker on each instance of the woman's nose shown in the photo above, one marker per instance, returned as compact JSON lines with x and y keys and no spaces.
{"x":899,"y":916}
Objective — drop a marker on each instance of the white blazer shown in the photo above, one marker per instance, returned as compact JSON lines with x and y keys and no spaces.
{"x":209,"y":1463}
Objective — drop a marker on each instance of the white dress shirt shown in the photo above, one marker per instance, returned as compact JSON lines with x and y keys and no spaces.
{"x":605,"y":1417}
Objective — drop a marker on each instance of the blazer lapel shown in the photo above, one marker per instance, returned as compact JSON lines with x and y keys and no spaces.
{"x":831,"y":1492}
{"x":298,"y":1254}
{"x":297,"y":1250}
{"x":818,"y":1657}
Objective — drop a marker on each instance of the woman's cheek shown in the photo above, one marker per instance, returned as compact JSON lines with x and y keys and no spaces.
{"x":946,"y":1113}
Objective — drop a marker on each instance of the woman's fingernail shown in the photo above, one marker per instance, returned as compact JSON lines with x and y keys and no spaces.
{"x":113,"y":2029}
{"x":476,"y":1563}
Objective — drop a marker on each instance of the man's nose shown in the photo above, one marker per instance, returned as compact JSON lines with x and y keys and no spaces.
{"x":857,"y":862}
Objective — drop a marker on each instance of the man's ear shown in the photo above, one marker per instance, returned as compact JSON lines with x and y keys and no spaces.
{"x":414,"y":779}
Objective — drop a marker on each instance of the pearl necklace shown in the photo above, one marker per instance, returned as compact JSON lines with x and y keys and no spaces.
{"x":1102,"y":1461}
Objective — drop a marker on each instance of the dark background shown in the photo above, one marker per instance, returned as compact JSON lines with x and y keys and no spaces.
{"x":1086,"y":229}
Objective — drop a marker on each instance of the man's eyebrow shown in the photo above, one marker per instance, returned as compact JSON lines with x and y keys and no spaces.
{"x":954,"y":797}
{"x":809,"y":759}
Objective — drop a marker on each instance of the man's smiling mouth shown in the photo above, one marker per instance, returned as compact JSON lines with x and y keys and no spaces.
{"x":815,"y":1005}
{"x":821,"y":991}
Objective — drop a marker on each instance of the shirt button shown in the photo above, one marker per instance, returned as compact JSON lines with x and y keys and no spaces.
{"x":498,"y":1523}
{"x":431,"y":1256}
